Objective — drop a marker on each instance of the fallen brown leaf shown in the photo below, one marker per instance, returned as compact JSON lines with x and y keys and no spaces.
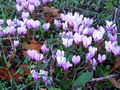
{"x":113,"y":81}
{"x":33,"y":45}
{"x":117,"y":64}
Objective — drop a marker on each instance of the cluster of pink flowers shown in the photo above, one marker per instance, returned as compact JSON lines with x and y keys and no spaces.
{"x":35,"y":55}
{"x":27,"y":4}
{"x":45,"y":1}
{"x":42,"y":74}
{"x":78,"y":29}
{"x":61,"y":60}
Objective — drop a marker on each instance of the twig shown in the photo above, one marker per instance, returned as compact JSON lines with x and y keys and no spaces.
{"x":103,"y":78}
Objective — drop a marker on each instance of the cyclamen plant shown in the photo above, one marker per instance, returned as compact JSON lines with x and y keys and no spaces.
{"x":76,"y":32}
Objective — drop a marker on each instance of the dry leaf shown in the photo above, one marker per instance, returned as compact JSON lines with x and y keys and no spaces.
{"x":4,"y":74}
{"x":113,"y":81}
{"x":49,"y":18}
{"x":55,"y":12}
{"x":11,"y":57}
{"x":25,"y":68}
{"x":33,"y":45}
{"x":117,"y":64}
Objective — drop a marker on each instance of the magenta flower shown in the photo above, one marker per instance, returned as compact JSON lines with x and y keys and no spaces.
{"x":46,"y":26}
{"x":10,"y":23}
{"x":44,"y":78}
{"x":108,"y":46}
{"x":69,"y":34}
{"x":57,"y":23}
{"x":112,"y":37}
{"x":12,"y":30}
{"x":35,"y":24}
{"x":64,"y":26}
{"x":77,"y":38}
{"x":18,"y":7}
{"x":60,"y":53}
{"x":116,"y":50}
{"x":37,"y":3}
{"x":93,"y":62}
{"x":44,"y":1}
{"x":16,"y":43}
{"x":87,"y":41}
{"x":81,"y":28}
{"x":87,"y":21}
{"x":67,"y":42}
{"x":31,"y":8}
{"x":35,"y":75}
{"x":89,"y":55}
{"x":60,"y":60}
{"x":44,"y":48}
{"x":110,"y":25}
{"x":92,"y":49}
{"x":97,"y":35}
{"x":1,"y":21}
{"x":76,"y":59}
{"x":21,"y":30}
{"x":66,"y":65}
{"x":101,"y":58}
{"x":24,"y":4}
{"x":33,"y":54}
{"x":25,"y":14}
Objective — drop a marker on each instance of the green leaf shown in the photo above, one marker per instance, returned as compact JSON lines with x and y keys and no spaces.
{"x":21,"y":71}
{"x":85,"y":77}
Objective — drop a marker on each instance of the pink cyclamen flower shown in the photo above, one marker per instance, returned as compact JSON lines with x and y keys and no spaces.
{"x":69,"y":34}
{"x":67,"y":42}
{"x":87,"y":21}
{"x":66,"y":65}
{"x":16,"y":43}
{"x":46,"y":26}
{"x":57,"y":23}
{"x":110,"y":25}
{"x":31,"y":8}
{"x":101,"y":58}
{"x":116,"y":50}
{"x":92,"y":49}
{"x":112,"y":37}
{"x":60,"y":53}
{"x":12,"y":30}
{"x":18,"y":1}
{"x":18,"y":7}
{"x":21,"y":30}
{"x":37,"y":3}
{"x":44,"y":1}
{"x":35,"y":24}
{"x":44,"y":48}
{"x":87,"y":41}
{"x":1,"y":21}
{"x":76,"y":59}
{"x":43,"y":72}
{"x":60,"y":60}
{"x":64,"y":26}
{"x":97,"y":35}
{"x":77,"y":38}
{"x":24,"y":4}
{"x":35,"y":75}
{"x":33,"y":54}
{"x":93,"y":62}
{"x":89,"y":55}
{"x":108,"y":46}
{"x":25,"y":15}
{"x":10,"y":23}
